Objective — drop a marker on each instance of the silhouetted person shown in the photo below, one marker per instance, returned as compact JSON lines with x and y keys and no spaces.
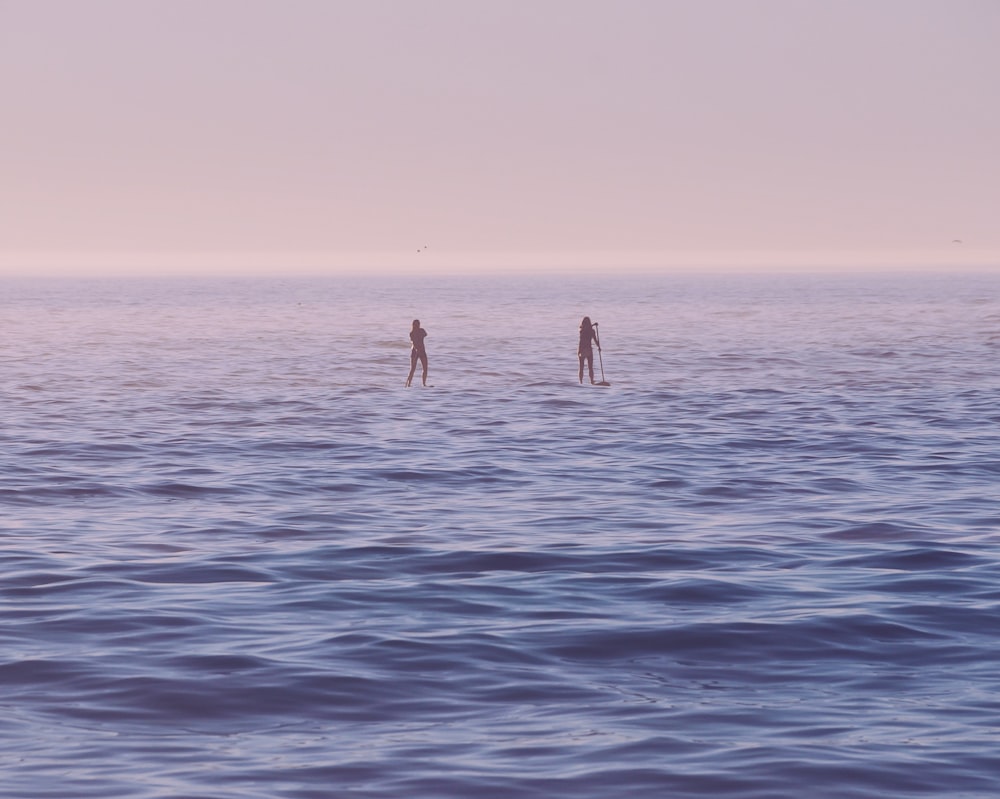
{"x":418,"y":352}
{"x":585,"y":352}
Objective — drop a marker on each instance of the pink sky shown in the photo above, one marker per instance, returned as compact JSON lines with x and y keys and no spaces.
{"x":644,"y":132}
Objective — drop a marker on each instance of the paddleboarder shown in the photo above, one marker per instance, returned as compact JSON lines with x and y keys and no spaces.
{"x":418,"y":352}
{"x":585,"y":352}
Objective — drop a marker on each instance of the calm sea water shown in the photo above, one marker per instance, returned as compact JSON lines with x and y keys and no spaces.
{"x":241,"y":561}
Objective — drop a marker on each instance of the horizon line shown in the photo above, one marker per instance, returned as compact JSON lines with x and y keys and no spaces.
{"x":426,"y":261}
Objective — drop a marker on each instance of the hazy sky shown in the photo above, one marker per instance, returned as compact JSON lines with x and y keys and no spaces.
{"x":607,"y":129}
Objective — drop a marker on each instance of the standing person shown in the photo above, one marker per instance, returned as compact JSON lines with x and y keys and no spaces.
{"x":417,"y":351}
{"x":585,"y":352}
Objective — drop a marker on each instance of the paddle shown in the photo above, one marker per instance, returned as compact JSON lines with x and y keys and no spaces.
{"x":600,"y":357}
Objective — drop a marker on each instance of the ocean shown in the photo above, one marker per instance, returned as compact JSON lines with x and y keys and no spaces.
{"x":240,"y":560}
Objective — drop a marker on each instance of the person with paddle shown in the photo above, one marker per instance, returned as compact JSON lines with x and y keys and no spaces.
{"x":585,"y":352}
{"x":417,"y":351}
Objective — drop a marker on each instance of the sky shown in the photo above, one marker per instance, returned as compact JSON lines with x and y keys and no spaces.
{"x":323,"y":135}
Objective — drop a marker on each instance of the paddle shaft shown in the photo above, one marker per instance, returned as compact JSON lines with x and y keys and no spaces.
{"x":600,"y":357}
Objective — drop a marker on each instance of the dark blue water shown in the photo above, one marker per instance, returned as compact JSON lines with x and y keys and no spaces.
{"x":242,"y":561}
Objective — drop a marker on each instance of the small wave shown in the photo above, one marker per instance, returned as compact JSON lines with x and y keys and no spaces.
{"x":917,"y":559}
{"x":196,"y":574}
{"x":875,"y":531}
{"x":77,"y":491}
{"x":34,"y":671}
{"x":858,"y":638}
{"x":171,"y":489}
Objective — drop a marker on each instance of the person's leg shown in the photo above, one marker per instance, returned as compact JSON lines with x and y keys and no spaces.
{"x":413,"y":367}
{"x":590,"y":365}
{"x":423,"y":360}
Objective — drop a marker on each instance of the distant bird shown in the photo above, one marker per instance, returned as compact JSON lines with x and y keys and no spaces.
{"x":956,"y":241}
